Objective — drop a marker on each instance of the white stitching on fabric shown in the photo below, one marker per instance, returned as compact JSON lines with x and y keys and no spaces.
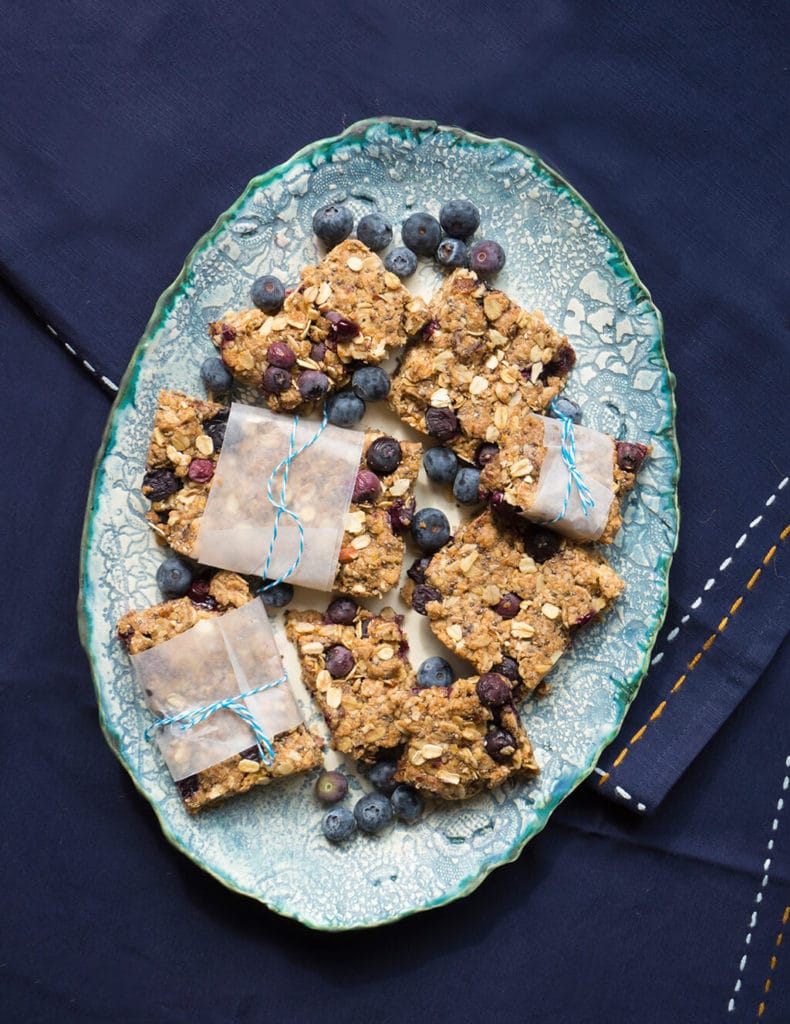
{"x":110,"y":385}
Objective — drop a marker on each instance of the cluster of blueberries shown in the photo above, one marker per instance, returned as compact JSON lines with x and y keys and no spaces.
{"x":373,"y":811}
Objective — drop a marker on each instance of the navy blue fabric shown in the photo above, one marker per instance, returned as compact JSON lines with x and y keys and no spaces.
{"x":123,"y":133}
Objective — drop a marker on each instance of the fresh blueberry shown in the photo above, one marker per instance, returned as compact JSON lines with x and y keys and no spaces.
{"x":318,"y":351}
{"x":566,"y":408}
{"x":401,"y":262}
{"x":338,"y":824}
{"x":280,"y":354}
{"x":435,"y":671}
{"x":277,"y":596}
{"x":441,"y":465}
{"x":215,"y":376}
{"x":466,"y":486}
{"x":421,"y":595}
{"x":339,"y":661}
{"x":373,"y":812}
{"x":342,"y":611}
{"x":159,"y":484}
{"x":382,"y":776}
{"x":541,"y":544}
{"x":201,"y":470}
{"x":486,"y":258}
{"x":384,"y":455}
{"x":509,"y":606}
{"x":508,"y":667}
{"x":407,"y":803}
{"x":312,"y":384}
{"x":441,"y":424}
{"x":430,"y":529}
{"x":174,"y":577}
{"x":267,"y":293}
{"x":344,"y":409}
{"x":459,"y":218}
{"x":416,"y":570}
{"x":500,"y":745}
{"x":630,"y":456}
{"x":367,"y":486}
{"x":333,"y":223}
{"x":374,"y":231}
{"x":485,"y":453}
{"x":275,"y":380}
{"x":421,"y":233}
{"x":493,"y":690}
{"x":452,"y":253}
{"x":371,"y":383}
{"x":331,"y":787}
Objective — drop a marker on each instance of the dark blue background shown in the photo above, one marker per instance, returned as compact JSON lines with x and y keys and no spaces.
{"x":124,"y":132}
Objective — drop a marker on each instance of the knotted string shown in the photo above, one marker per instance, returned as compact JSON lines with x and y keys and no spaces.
{"x":568,"y":453}
{"x":281,"y":508}
{"x":189,"y":719}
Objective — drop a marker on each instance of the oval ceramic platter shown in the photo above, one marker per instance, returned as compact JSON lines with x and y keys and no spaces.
{"x":560,"y":259}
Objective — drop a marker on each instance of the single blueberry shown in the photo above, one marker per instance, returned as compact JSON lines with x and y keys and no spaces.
{"x":174,"y":577}
{"x":331,"y":787}
{"x":500,"y":745}
{"x":509,"y":606}
{"x":466,"y":486}
{"x":566,"y":408}
{"x":400,"y":514}
{"x":493,"y":690}
{"x":373,"y":812}
{"x":421,"y":233}
{"x":459,"y":218}
{"x":430,"y":529}
{"x":215,"y":376}
{"x":339,"y":661}
{"x":407,"y":803}
{"x":382,"y":776}
{"x":275,"y":380}
{"x":441,"y":465}
{"x":341,"y":328}
{"x":452,"y":253}
{"x":416,"y":570}
{"x":374,"y":231}
{"x":280,"y":354}
{"x":421,"y":595}
{"x":508,"y":667}
{"x":401,"y":262}
{"x":200,"y":470}
{"x":541,"y":544}
{"x":342,"y":611}
{"x":367,"y":486}
{"x":215,"y":428}
{"x":486,"y":258}
{"x":371,"y":383}
{"x":338,"y":824}
{"x":277,"y":596}
{"x":159,"y":484}
{"x":441,"y":424}
{"x":384,"y":455}
{"x":312,"y":384}
{"x":267,"y":293}
{"x":435,"y":671}
{"x":484,"y":453}
{"x":344,"y":409}
{"x":333,"y":223}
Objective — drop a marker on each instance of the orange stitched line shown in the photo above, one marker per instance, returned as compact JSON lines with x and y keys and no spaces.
{"x":692,"y":665}
{"x":767,"y":985}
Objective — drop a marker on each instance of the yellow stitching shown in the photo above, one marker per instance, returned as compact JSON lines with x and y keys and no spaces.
{"x":709,"y":642}
{"x":603,"y":778}
{"x":723,"y":624}
{"x":773,"y":961}
{"x":694,"y":660}
{"x":784,"y":532}
{"x":657,"y":713}
{"x":677,"y":685}
{"x":620,"y":756}
{"x":638,"y":735}
{"x":770,"y":555}
{"x":761,"y":1009}
{"x":736,"y":605}
{"x":753,"y":580}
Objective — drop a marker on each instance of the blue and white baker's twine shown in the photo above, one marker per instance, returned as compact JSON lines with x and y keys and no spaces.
{"x":568,"y":452}
{"x":189,"y":719}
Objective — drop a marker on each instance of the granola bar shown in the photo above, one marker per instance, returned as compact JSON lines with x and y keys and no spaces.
{"x":297,"y":750}
{"x":509,"y":590}
{"x":185,"y":444}
{"x":480,"y":360}
{"x":347,"y":308}
{"x":513,"y":473}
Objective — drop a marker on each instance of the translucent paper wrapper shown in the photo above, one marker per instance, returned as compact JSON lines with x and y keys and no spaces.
{"x":237,"y":526}
{"x":594,"y":463}
{"x":219,"y":657}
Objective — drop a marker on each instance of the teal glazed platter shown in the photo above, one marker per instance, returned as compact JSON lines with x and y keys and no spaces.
{"x":562,"y":260}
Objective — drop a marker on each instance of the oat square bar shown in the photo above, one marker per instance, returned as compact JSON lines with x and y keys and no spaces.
{"x":503,"y":589}
{"x":480,"y":363}
{"x":347,"y":309}
{"x":296,"y":750}
{"x":182,"y":457}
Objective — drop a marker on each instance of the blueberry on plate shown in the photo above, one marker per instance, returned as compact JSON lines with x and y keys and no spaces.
{"x":267,"y":293}
{"x":401,"y":262}
{"x":338,"y":824}
{"x":384,"y":455}
{"x":459,"y":218}
{"x":276,"y":380}
{"x":407,"y":803}
{"x":430,"y":529}
{"x":342,"y":611}
{"x":331,"y":787}
{"x":344,"y":409}
{"x":333,"y":223}
{"x":421,"y":233}
{"x":441,"y":465}
{"x":452,"y":253}
{"x":435,"y":671}
{"x":382,"y":776}
{"x":373,"y":812}
{"x":486,"y":258}
{"x":374,"y":231}
{"x":277,"y":595}
{"x":215,"y":376}
{"x":312,"y":384}
{"x":466,"y":486}
{"x":370,"y":383}
{"x":174,"y":577}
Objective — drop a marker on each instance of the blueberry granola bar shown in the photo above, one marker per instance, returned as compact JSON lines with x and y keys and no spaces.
{"x":185,"y":444}
{"x":347,"y":308}
{"x":503,"y":589}
{"x":297,"y":750}
{"x":480,"y":360}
